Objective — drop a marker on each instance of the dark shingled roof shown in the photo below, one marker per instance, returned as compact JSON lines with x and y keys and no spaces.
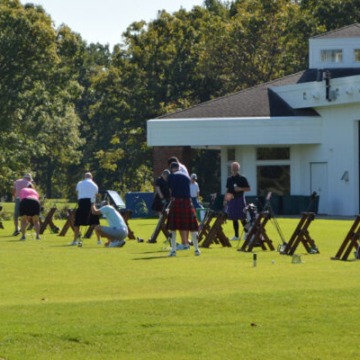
{"x":258,"y":101}
{"x":344,"y":32}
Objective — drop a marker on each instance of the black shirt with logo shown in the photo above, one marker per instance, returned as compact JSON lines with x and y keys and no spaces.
{"x":237,"y":180}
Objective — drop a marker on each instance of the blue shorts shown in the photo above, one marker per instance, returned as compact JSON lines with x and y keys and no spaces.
{"x":17,"y":208}
{"x":196,"y":203}
{"x":119,"y":233}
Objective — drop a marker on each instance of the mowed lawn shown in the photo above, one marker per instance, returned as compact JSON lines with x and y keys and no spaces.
{"x":62,"y":302}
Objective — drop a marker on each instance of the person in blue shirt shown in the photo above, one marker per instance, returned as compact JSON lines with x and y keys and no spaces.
{"x":117,"y":230}
{"x":182,"y":214}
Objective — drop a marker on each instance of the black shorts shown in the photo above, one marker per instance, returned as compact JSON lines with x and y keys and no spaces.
{"x":83,"y":214}
{"x":29,"y":207}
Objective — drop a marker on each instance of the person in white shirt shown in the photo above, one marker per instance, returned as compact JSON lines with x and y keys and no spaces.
{"x":195,"y":192}
{"x":86,"y":190}
{"x":183,"y":168}
{"x":117,"y":230}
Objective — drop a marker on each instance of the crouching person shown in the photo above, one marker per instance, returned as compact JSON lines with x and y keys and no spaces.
{"x":117,"y":230}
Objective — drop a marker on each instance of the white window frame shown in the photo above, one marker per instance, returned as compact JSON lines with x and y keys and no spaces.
{"x":331,"y":61}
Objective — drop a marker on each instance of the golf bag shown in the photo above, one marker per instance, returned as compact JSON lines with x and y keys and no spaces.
{"x":251,"y":213}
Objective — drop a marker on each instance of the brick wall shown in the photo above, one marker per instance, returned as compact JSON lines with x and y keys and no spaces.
{"x":161,"y":154}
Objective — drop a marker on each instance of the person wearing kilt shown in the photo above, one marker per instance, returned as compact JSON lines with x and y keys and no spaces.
{"x":236,"y":186}
{"x":162,"y":192}
{"x":86,"y":191}
{"x":182,"y":214}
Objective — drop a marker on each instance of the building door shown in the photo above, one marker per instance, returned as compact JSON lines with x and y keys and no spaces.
{"x":319,"y":183}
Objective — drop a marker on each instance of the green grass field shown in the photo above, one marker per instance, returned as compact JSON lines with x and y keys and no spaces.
{"x":62,"y":302}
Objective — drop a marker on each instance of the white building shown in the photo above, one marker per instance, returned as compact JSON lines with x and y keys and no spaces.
{"x":294,"y":135}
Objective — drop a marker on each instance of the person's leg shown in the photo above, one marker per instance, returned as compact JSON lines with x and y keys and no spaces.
{"x":185,"y":238}
{"x":16,"y":216}
{"x":36,"y":222}
{"x":98,"y":235}
{"x":105,"y":232}
{"x":236,"y":227}
{"x":173,"y":243}
{"x":76,"y":232}
{"x":23,"y":225}
{"x":16,"y":223}
{"x":194,"y":238}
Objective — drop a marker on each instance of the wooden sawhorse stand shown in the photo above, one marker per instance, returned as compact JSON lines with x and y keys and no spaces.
{"x":126,"y":214}
{"x":301,"y":234}
{"x":214,"y":233}
{"x":257,"y":235}
{"x":69,"y":223}
{"x":48,"y":221}
{"x":161,"y":226}
{"x":205,"y":224}
{"x":351,"y":242}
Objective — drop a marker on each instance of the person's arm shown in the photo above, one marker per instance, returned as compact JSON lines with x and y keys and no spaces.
{"x":244,"y":185}
{"x":158,"y":190}
{"x":238,"y":189}
{"x":94,"y":210}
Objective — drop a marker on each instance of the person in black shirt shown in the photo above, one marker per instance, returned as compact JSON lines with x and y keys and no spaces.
{"x":236,"y":186}
{"x":182,"y":215}
{"x":162,"y":192}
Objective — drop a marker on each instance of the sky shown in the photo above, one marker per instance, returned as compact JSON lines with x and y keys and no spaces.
{"x":104,"y":21}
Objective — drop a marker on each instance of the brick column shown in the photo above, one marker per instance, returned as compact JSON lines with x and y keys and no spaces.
{"x":161,"y":154}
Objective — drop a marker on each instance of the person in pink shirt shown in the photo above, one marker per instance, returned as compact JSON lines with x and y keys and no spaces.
{"x":29,"y":208}
{"x":18,"y":186}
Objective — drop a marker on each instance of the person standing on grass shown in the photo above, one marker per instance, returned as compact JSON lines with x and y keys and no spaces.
{"x":182,"y":214}
{"x":18,"y":186}
{"x":195,"y":192}
{"x":117,"y":230}
{"x":183,"y":168}
{"x":162,"y":192}
{"x":236,"y":186}
{"x":29,"y":208}
{"x":86,"y":191}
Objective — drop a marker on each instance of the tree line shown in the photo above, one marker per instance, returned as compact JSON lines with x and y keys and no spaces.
{"x":67,"y":106}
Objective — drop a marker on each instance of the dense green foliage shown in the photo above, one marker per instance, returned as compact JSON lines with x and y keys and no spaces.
{"x":68,"y":106}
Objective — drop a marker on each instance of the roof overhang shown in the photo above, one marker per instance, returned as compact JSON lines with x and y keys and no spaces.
{"x":234,"y":131}
{"x":344,"y":90}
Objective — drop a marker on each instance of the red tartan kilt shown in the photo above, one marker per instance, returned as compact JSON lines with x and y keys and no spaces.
{"x":182,"y":215}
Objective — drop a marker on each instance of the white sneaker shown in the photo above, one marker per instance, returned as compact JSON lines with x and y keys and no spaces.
{"x":183,"y":247}
{"x":197,"y":253}
{"x":74,"y":243}
{"x":234,"y":238}
{"x":172,"y":253}
{"x":99,"y":242}
{"x":115,"y":243}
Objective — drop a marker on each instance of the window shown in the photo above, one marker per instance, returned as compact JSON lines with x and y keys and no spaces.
{"x":331,"y":56}
{"x":357,"y":55}
{"x":230,"y":154}
{"x":274,"y":178}
{"x":275,"y":153}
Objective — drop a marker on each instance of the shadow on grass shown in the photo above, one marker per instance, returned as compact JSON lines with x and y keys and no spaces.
{"x":152,"y":258}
